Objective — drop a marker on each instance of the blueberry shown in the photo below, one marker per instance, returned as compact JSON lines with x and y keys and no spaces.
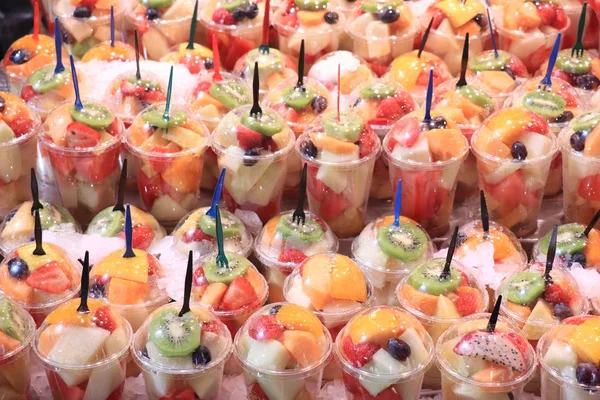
{"x":82,"y":12}
{"x":399,"y":349}
{"x":562,"y":311}
{"x":588,"y":374}
{"x":518,"y":151}
{"x":10,"y":215}
{"x":308,"y":148}
{"x":578,"y":258}
{"x":17,"y":268}
{"x":201,"y":356}
{"x":319,"y":104}
{"x":332,"y":18}
{"x":577,"y":141}
{"x":438,"y":122}
{"x":587,"y":81}
{"x":275,"y":309}
{"x":389,"y":15}
{"x":20,"y":56}
{"x":2,"y":104}
{"x":510,"y":73}
{"x":481,"y":20}
{"x":239,"y":14}
{"x":249,"y":162}
{"x":209,"y":63}
{"x":97,"y":290}
{"x":564,"y":117}
{"x":152,"y":14}
{"x":251,"y":11}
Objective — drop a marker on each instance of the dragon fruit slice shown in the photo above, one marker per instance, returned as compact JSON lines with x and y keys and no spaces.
{"x":496,"y":347}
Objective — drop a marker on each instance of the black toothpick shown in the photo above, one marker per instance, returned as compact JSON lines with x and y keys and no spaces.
{"x":424,"y":38}
{"x":187,"y":291}
{"x":85,"y":283}
{"x":35,"y":194}
{"x":300,"y":84}
{"x":551,"y":255}
{"x":138,"y":74}
{"x":39,"y":249}
{"x":485,"y":218}
{"x":129,"y":253}
{"x":462,"y":81}
{"x":491,"y":326}
{"x":121,"y":189}
{"x":446,"y":272}
{"x":299,"y":215}
{"x":592,"y":223}
{"x":255,"y":110}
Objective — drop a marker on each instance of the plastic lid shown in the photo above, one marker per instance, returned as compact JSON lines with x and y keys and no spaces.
{"x":110,"y":223}
{"x":351,"y":66}
{"x":312,"y":10}
{"x":24,"y":50}
{"x":18,"y":328}
{"x":412,"y":71}
{"x":106,"y":52}
{"x":470,"y":104}
{"x":382,"y":20}
{"x":46,"y":89}
{"x":208,"y":18}
{"x":127,"y":96}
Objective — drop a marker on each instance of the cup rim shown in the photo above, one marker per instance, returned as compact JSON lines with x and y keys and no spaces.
{"x":118,"y":11}
{"x":129,"y":14}
{"x":309,"y":34}
{"x":343,"y":164}
{"x":519,"y":33}
{"x":412,"y":31}
{"x":424,"y":21}
{"x":35,"y":130}
{"x":31,"y":333}
{"x":565,"y":145}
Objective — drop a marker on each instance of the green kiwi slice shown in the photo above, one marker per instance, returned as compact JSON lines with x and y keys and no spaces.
{"x":230,"y":93}
{"x":573,"y":65}
{"x":145,"y":83}
{"x":231,"y":227}
{"x":347,"y":129}
{"x":80,"y":48}
{"x":268,"y":63}
{"x":405,"y":242}
{"x":489,"y":62}
{"x":377,"y":90}
{"x":268,"y":123}
{"x":231,"y":5}
{"x":426,"y":278}
{"x":312,"y":5}
{"x":107,"y":223}
{"x":545,"y":104}
{"x":375,"y":7}
{"x":298,"y":98}
{"x":175,"y":336}
{"x":11,"y":322}
{"x":94,"y":115}
{"x":44,"y":79}
{"x":155,"y":117}
{"x":308,"y":233}
{"x":569,"y":240}
{"x":156,"y":3}
{"x":524,"y":287}
{"x":476,"y":96}
{"x":238,"y":266}
{"x":49,"y":215}
{"x":585,"y":122}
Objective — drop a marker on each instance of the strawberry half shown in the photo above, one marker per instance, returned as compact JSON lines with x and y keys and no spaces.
{"x":358,"y":354}
{"x":80,"y":135}
{"x":104,"y":319}
{"x":49,"y":278}
{"x":240,"y":293}
{"x":247,"y":138}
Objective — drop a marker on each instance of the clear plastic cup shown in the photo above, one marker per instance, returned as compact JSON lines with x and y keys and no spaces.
{"x":43,"y":98}
{"x":199,"y":372}
{"x":196,"y":60}
{"x":573,"y":10}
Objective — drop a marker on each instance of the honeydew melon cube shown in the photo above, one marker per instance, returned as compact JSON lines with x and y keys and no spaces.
{"x":377,"y":33}
{"x":560,"y":355}
{"x":245,"y":177}
{"x":170,"y":362}
{"x":419,"y":152}
{"x":165,"y":208}
{"x":183,"y":137}
{"x":502,"y":171}
{"x":6,"y":133}
{"x":297,"y":296}
{"x":387,"y":367}
{"x":334,"y":177}
{"x":271,"y":180}
{"x":207,"y":385}
{"x":103,"y":381}
{"x":95,"y":196}
{"x":281,"y":389}
{"x":267,"y":354}
{"x":15,"y":375}
{"x":523,"y":45}
{"x":356,"y":187}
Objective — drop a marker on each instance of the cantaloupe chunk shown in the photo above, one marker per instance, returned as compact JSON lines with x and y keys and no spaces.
{"x":302,"y":346}
{"x":184,"y":173}
{"x":519,"y":310}
{"x":15,"y":289}
{"x":498,"y":80}
{"x":592,"y":249}
{"x":121,"y":291}
{"x":377,"y":327}
{"x":213,"y":294}
{"x":445,"y":144}
{"x":424,"y":302}
{"x":347,"y":280}
{"x":256,"y":280}
{"x":317,"y":283}
{"x":492,"y":374}
{"x":592,"y":143}
{"x":333,"y":145}
{"x":297,"y":318}
{"x":311,"y":18}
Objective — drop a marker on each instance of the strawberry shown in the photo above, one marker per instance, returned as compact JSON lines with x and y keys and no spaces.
{"x":198,"y":279}
{"x":211,"y":326}
{"x":270,"y":145}
{"x":465,"y":279}
{"x":367,"y":142}
{"x":104,"y":319}
{"x":197,"y":235}
{"x":115,"y":127}
{"x":28,"y":93}
{"x":285,"y":112}
{"x":255,"y":392}
{"x":517,"y":67}
{"x":203,"y":86}
{"x":153,"y":96}
{"x":265,"y":327}
{"x":237,"y":49}
{"x":49,"y":278}
{"x":379,"y":69}
{"x":468,"y":301}
{"x":437,"y":15}
{"x":154,"y":267}
{"x":405,"y":133}
{"x":560,"y":74}
{"x":96,"y":168}
{"x":193,"y":64}
{"x":405,"y":101}
{"x":547,"y":12}
{"x":131,"y":89}
{"x":61,"y":389}
{"x":333,"y":205}
{"x":555,"y":294}
{"x":358,"y":354}
{"x":389,"y":109}
{"x":21,"y":126}
{"x":589,"y":188}
{"x":240,"y":293}
{"x":510,"y":190}
{"x":561,"y":20}
{"x":247,"y":138}
{"x":291,"y":256}
{"x":80,"y":135}
{"x":149,"y":188}
{"x":223,"y":17}
{"x":290,"y":21}
{"x":142,"y":236}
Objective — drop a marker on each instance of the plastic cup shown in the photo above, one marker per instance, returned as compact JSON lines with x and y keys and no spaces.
{"x":44,"y":102}
{"x":196,"y":60}
{"x":590,"y":31}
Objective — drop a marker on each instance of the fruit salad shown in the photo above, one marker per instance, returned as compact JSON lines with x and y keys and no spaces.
{"x":45,"y":89}
{"x":284,"y":244}
{"x":16,"y":334}
{"x":111,"y":223}
{"x":254,"y":148}
{"x":19,"y":126}
{"x":479,"y":364}
{"x":572,"y":246}
{"x":412,"y":72}
{"x":452,"y":20}
{"x":84,"y":145}
{"x":283,"y":349}
{"x":381,"y":103}
{"x":39,"y":283}
{"x":196,"y":60}
{"x":105,"y":51}
{"x":182,"y":356}
{"x":514,"y":149}
{"x":84,"y":354}
{"x":381,"y":30}
{"x":528,"y":29}
{"x":589,"y":37}
{"x":386,"y":253}
{"x":383,"y":352}
{"x":162,"y":24}
{"x":197,"y":231}
{"x":426,"y":156}
{"x":18,"y":226}
{"x":567,"y":355}
{"x":274,"y":67}
{"x":583,"y":73}
{"x":167,"y":159}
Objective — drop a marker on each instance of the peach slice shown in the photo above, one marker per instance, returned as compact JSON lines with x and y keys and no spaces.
{"x":424,"y":302}
{"x":297,"y":318}
{"x":376,"y":327}
{"x":517,"y":309}
{"x":347,"y":280}
{"x":302,"y":346}
{"x":333,"y":145}
{"x":213,"y":294}
{"x":592,"y":143}
{"x":445,"y":144}
{"x":121,"y":291}
{"x":316,"y":280}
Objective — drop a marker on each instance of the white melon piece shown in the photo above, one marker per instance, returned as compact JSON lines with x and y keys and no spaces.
{"x":296,"y":295}
{"x":103,"y":381}
{"x":470,"y":392}
{"x":418,"y":352}
{"x":577,"y":169}
{"x":169,"y":362}
{"x":444,"y":39}
{"x":524,"y":45}
{"x":159,"y":384}
{"x":268,"y":354}
{"x":331,"y":320}
{"x":356,"y":187}
{"x":272,"y":180}
{"x":130,"y":106}
{"x":448,"y":176}
{"x":10,"y":162}
{"x":232,"y":159}
{"x":386,"y":367}
{"x":189,"y":201}
{"x":419,"y":152}
{"x":207,"y":385}
{"x":95,"y":196}
{"x":568,"y":392}
{"x":155,"y":43}
{"x":408,"y":388}
{"x":246,"y":177}
{"x":6,"y":133}
{"x":560,"y":355}
{"x":165,"y":208}
{"x":502,"y":171}
{"x":281,"y":389}
{"x":335,"y":178}
{"x":135,"y":316}
{"x":446,"y":309}
{"x":328,"y":156}
{"x":115,"y":342}
{"x":215,"y":343}
{"x":377,"y":34}
{"x":312,"y":45}
{"x":537,"y":145}
{"x":540,"y":316}
{"x":183,"y":137}
{"x":16,"y":374}
{"x":360,"y":23}
{"x":68,"y":191}
{"x":102,"y":33}
{"x":77,"y":28}
{"x":244,"y":346}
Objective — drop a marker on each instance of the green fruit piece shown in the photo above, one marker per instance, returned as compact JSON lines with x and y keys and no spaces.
{"x":155,"y":117}
{"x":107,"y":223}
{"x":145,"y":83}
{"x":377,"y":90}
{"x":268,"y":123}
{"x":238,"y":266}
{"x":11,"y":323}
{"x":298,"y":98}
{"x":156,"y":3}
{"x":175,"y":336}
{"x":268,"y":63}
{"x":406,"y":242}
{"x":569,"y":240}
{"x":231,"y":227}
{"x":95,"y":116}
{"x":347,"y":129}
{"x":585,"y":122}
{"x":573,"y":65}
{"x":44,"y":79}
{"x":375,"y":7}
{"x":524,"y":287}
{"x":230,"y":93}
{"x":489,"y":62}
{"x":307,"y":233}
{"x":312,"y":5}
{"x":231,"y":5}
{"x":476,"y":96}
{"x":545,"y":104}
{"x":50,"y":215}
{"x":426,"y":278}
{"x":80,"y":48}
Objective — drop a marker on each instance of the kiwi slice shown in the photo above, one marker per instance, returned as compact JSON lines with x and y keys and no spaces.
{"x":524,"y":287}
{"x":312,"y":5}
{"x":49,"y":215}
{"x":377,"y":90}
{"x":569,"y":240}
{"x":476,"y":96}
{"x":107,"y":223}
{"x":308,"y":233}
{"x":231,"y":5}
{"x":347,"y":129}
{"x":405,"y":242}
{"x":545,"y":104}
{"x":175,"y":336}
{"x":268,"y":63}
{"x":238,"y":266}
{"x":44,"y":79}
{"x":11,"y":322}
{"x":375,"y":7}
{"x":585,"y":122}
{"x":573,"y":65}
{"x":94,"y":115}
{"x":298,"y":98}
{"x":145,"y":83}
{"x":231,"y":227}
{"x":489,"y":62}
{"x":230,"y":93}
{"x":80,"y":48}
{"x":426,"y":278}
{"x":268,"y":123}
{"x":155,"y":117}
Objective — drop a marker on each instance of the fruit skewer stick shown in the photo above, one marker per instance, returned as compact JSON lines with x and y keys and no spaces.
{"x":424,"y":38}
{"x":37,"y":231}
{"x":255,"y":110}
{"x":398,"y":204}
{"x":300,"y":83}
{"x":299,"y":214}
{"x":546,"y":82}
{"x":58,"y":48}
{"x":578,"y":48}
{"x":36,"y":20}
{"x":446,"y":272}
{"x":121,"y":189}
{"x":35,"y":193}
{"x":187,"y":290}
{"x":129,"y":253}
{"x":339,"y":90}
{"x":212,"y":211}
{"x":492,"y":34}
{"x":264,"y":46}
{"x":428,"y":98}
{"x":485,"y":218}
{"x":462,"y":81}
{"x":592,"y":223}
{"x":221,"y":259}
{"x":166,"y":115}
{"x":78,"y":104}
{"x":190,"y":45}
{"x":112,"y":26}
{"x":217,"y":60}
{"x":85,"y":283}
{"x":138,"y":73}
{"x":551,"y":255}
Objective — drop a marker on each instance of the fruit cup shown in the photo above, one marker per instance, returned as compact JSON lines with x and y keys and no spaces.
{"x":384,"y":353}
{"x":381,"y":103}
{"x":274,"y":67}
{"x":582,"y":72}
{"x":573,"y":9}
{"x":182,"y":356}
{"x":109,"y":52}
{"x":45,"y":89}
{"x":283,"y":349}
{"x":387,"y":253}
{"x":196,"y":60}
{"x":426,"y":156}
{"x":19,"y":127}
{"x":514,"y":149}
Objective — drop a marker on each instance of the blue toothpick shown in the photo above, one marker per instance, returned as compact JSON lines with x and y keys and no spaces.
{"x":492,"y":33}
{"x":112,"y":26}
{"x":128,"y":234}
{"x":427,"y":117}
{"x":58,"y":48}
{"x":398,"y":203}
{"x":546,"y":83}
{"x":78,"y":104}
{"x":212,"y":211}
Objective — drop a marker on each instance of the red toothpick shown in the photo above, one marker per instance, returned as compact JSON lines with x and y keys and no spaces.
{"x":36,"y":20}
{"x":338,"y":91}
{"x":266,"y":24}
{"x":216,"y":60}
